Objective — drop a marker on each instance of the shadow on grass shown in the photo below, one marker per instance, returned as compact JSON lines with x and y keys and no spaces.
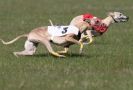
{"x":67,"y":55}
{"x":40,"y":55}
{"x":76,"y":55}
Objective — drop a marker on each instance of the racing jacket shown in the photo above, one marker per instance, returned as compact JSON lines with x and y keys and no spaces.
{"x":98,"y":26}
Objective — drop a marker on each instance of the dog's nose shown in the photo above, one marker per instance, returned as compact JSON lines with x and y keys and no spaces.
{"x":127,"y":18}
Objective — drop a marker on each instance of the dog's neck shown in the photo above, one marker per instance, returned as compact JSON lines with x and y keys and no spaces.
{"x":108,"y":21}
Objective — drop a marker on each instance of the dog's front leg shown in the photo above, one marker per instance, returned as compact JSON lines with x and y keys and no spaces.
{"x":84,"y":38}
{"x":89,"y":36}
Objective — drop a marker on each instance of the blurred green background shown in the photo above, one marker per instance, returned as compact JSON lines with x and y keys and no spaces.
{"x":107,"y":64}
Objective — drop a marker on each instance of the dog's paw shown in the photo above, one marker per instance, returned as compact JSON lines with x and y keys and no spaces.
{"x":80,"y":51}
{"x":57,"y":54}
{"x":62,"y":56}
{"x":15,"y":54}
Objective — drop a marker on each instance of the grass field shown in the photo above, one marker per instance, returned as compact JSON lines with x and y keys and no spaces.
{"x":107,"y":64}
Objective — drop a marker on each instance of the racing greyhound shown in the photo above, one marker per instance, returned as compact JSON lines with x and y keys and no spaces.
{"x":99,"y":26}
{"x":59,"y":35}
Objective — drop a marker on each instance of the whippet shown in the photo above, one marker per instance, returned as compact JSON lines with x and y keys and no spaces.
{"x":59,"y":35}
{"x":99,"y":26}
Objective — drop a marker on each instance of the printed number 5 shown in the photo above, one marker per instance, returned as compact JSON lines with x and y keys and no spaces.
{"x":64,"y":30}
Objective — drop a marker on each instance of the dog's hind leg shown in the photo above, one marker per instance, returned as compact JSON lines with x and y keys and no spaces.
{"x":51,"y":51}
{"x":63,"y":51}
{"x":30,"y":48}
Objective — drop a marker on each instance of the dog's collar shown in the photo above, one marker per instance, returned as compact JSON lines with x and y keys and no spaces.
{"x":114,"y":19}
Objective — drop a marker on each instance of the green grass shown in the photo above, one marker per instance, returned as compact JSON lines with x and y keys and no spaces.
{"x":107,"y":64}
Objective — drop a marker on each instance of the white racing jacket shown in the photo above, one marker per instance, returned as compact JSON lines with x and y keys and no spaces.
{"x":62,"y":30}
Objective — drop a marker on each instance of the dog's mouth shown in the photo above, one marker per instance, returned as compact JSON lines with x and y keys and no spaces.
{"x":125,"y":19}
{"x":121,"y":19}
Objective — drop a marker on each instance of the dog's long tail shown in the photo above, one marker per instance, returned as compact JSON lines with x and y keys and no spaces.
{"x":15,"y":39}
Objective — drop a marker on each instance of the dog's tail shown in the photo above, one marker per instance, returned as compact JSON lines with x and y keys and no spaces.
{"x":15,"y":39}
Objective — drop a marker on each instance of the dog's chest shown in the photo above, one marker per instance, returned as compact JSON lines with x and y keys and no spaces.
{"x":100,"y":27}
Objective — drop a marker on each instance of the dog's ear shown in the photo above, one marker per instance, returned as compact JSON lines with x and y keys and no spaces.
{"x":110,"y":14}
